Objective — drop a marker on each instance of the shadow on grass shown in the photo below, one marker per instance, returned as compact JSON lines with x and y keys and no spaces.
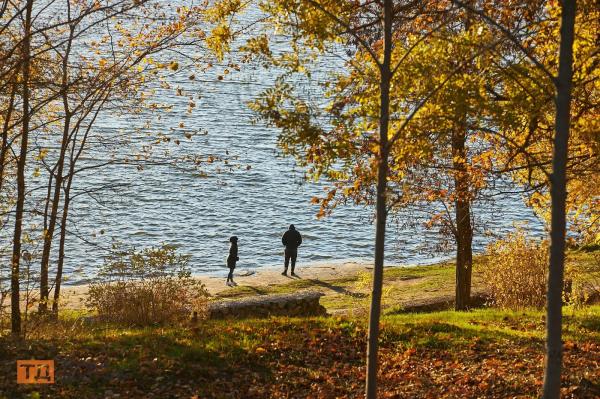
{"x":337,"y":288}
{"x":591,"y":323}
{"x":255,"y":290}
{"x":216,"y":359}
{"x":241,"y":291}
{"x":146,"y":359}
{"x":448,"y":336}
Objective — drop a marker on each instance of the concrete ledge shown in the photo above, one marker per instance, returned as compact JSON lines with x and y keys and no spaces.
{"x":304,"y":303}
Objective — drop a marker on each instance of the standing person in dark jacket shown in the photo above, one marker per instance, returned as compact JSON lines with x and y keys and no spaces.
{"x":292,"y":240}
{"x":232,"y":258}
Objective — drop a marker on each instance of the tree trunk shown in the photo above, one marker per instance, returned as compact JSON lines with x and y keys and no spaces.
{"x":558,"y":193}
{"x":381,"y":207}
{"x":44,"y":277}
{"x":462,"y":203}
{"x":49,"y":233}
{"x":464,"y":229}
{"x":16,"y":255}
{"x":61,"y":246}
{"x":5,"y":129}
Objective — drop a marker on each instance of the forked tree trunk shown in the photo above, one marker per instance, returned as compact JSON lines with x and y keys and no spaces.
{"x":58,"y":180}
{"x":558,"y":193}
{"x":74,"y":156}
{"x":381,"y":207}
{"x":19,"y":211}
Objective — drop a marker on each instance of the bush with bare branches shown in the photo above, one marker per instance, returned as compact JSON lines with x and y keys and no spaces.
{"x":146,"y":287}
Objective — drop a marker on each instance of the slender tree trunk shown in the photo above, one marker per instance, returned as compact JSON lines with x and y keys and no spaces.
{"x":381,"y":207}
{"x":44,"y":278}
{"x":464,"y":229}
{"x":5,"y":129}
{"x":58,"y":179}
{"x":61,"y":246}
{"x":16,"y":256}
{"x":48,"y":237}
{"x":558,"y":193}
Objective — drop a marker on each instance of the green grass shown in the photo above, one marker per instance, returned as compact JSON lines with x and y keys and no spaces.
{"x":490,"y":322}
{"x":421,"y":353}
{"x":586,"y":258}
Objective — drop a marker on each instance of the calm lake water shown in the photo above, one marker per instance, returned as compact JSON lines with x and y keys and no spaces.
{"x":161,"y":204}
{"x":255,"y":201}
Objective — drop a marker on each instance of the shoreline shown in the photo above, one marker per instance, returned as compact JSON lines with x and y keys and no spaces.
{"x":221,"y":272}
{"x":73,"y":297}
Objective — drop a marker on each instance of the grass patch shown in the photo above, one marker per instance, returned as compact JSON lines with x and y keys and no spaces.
{"x":351,"y":294}
{"x":446,"y":354}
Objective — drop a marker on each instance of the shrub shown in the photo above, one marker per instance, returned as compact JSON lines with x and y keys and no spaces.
{"x":583,"y":280}
{"x":147,"y":287}
{"x":516,"y":271}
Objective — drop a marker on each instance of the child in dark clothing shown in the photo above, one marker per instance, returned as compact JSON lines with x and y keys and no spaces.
{"x":232,"y":259}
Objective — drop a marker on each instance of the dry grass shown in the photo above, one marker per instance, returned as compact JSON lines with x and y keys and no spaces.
{"x":516,"y":271}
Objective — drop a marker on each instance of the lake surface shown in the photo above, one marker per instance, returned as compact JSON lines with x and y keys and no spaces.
{"x":256,"y":200}
{"x":161,"y":204}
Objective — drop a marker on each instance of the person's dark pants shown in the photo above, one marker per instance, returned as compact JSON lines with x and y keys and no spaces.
{"x":230,"y":275}
{"x":290,"y":254}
